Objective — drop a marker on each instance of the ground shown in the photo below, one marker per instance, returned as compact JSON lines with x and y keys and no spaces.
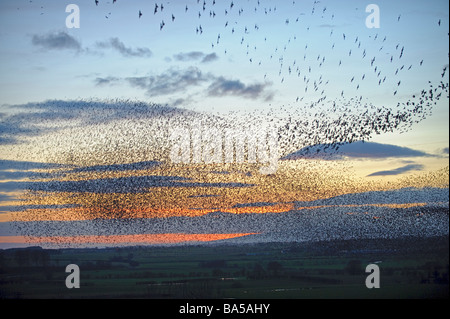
{"x":409,"y":268}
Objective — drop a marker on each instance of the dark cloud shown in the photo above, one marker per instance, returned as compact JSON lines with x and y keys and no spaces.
{"x":170,"y":82}
{"x":397,"y":196}
{"x":106,"y":81}
{"x":398,"y":171}
{"x":15,"y":171}
{"x":9,"y":187}
{"x":21,"y":174}
{"x":132,"y":184}
{"x":119,"y":46}
{"x":4,"y":198}
{"x":14,"y":127}
{"x":28,"y":118}
{"x":20,"y":208}
{"x":222,"y":87}
{"x":189,"y":56}
{"x":358,"y":149}
{"x":117,"y":167}
{"x":196,"y":56}
{"x":24,"y":165}
{"x":210,"y":58}
{"x":176,"y":80}
{"x":56,"y":41}
{"x":63,"y":41}
{"x":8,"y":140}
{"x":178,"y":102}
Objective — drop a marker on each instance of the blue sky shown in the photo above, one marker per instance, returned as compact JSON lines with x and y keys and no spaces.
{"x":67,"y":71}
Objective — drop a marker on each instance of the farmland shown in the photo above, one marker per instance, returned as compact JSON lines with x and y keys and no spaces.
{"x":409,"y":268}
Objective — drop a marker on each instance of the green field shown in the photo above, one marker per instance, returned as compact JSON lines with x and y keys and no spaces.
{"x":410,"y":268}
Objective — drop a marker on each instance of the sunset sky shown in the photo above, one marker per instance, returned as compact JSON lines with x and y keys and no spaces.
{"x":86,"y":113}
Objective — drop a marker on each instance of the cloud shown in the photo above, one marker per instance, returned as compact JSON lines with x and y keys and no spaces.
{"x":169,"y":82}
{"x":56,"y":41}
{"x":23,"y":165}
{"x":398,"y":171}
{"x":377,"y":150}
{"x":222,"y":87}
{"x":8,"y":140}
{"x":12,"y":128}
{"x":106,"y":81}
{"x":117,"y":167}
{"x":63,"y":41}
{"x":21,"y":208}
{"x":210,"y":58}
{"x":356,"y":150}
{"x":176,"y":80}
{"x":122,"y":185}
{"x":15,"y":171}
{"x":119,"y":46}
{"x":10,"y":187}
{"x":196,"y":56}
{"x":5,"y":175}
{"x":28,"y":119}
{"x":396,"y":196}
{"x":4,"y":198}
{"x":189,"y":56}
{"x":178,"y":102}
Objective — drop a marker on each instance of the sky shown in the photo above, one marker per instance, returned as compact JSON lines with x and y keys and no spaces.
{"x":77,"y":105}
